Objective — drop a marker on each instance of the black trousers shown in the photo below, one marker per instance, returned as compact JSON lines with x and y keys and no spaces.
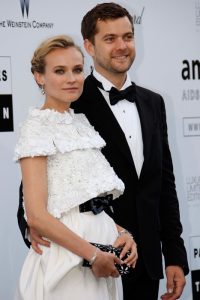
{"x":139,"y":286}
{"x":144,"y":288}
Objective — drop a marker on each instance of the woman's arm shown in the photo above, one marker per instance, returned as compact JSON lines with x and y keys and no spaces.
{"x":34,"y":177}
{"x":35,"y":187}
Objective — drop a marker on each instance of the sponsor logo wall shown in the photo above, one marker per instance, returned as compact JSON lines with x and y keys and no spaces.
{"x":191,"y":146}
{"x":167,"y":62}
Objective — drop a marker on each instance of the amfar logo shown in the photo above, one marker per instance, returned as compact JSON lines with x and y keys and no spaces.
{"x":24,"y":6}
{"x":191,"y":69}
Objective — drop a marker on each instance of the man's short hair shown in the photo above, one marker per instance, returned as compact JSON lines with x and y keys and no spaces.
{"x":103,"y":12}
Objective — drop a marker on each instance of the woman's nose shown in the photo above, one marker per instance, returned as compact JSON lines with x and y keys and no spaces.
{"x":70,"y":77}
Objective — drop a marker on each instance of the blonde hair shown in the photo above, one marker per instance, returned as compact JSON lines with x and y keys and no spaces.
{"x":55,"y":42}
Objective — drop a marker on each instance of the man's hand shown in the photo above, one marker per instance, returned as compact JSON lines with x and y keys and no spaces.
{"x":36,"y":240}
{"x":175,"y":283}
{"x":127,"y":242}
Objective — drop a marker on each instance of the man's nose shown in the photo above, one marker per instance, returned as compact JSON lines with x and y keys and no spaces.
{"x":120,"y":43}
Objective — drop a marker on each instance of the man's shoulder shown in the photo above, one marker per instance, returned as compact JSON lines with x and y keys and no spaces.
{"x":89,"y":81}
{"x":89,"y":92}
{"x":146,"y":92}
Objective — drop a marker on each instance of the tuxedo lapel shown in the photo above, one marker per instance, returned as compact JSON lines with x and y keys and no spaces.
{"x":98,"y":112}
{"x":147,"y":121}
{"x":101,"y":116}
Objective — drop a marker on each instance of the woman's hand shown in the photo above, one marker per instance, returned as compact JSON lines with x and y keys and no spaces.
{"x":104,"y":265}
{"x":36,"y":240}
{"x":126,"y":241}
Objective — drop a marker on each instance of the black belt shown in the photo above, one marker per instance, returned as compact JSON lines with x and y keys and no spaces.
{"x":97,"y":204}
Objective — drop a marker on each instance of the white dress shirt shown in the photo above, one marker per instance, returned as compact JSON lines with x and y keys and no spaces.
{"x":127,"y":116}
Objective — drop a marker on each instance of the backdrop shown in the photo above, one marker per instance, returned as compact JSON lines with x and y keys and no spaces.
{"x":168,"y":62}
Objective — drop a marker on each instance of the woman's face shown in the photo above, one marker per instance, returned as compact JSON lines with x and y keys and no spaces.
{"x":63,"y":78}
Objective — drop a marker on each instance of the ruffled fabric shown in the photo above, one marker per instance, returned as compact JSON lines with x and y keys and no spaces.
{"x":77,"y":170}
{"x":45,"y":132}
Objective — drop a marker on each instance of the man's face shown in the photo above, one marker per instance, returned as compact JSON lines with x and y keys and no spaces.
{"x":113,"y":50}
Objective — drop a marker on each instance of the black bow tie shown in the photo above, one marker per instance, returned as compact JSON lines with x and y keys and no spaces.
{"x":116,"y":95}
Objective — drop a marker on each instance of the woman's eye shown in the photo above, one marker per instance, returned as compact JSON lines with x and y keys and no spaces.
{"x":78,"y":70}
{"x":59,"y":71}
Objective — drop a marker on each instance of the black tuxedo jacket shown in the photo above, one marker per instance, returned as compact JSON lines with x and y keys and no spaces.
{"x":149,"y":206}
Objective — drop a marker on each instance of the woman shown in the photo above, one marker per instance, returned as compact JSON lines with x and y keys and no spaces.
{"x":62,"y":169}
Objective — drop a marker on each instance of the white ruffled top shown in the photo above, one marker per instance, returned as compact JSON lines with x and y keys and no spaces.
{"x":77,"y":170}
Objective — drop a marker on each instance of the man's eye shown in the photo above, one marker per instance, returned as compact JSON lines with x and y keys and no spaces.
{"x":129,"y":37}
{"x":109,"y":39}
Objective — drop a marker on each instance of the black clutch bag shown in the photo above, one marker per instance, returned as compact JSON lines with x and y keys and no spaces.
{"x":123,"y":269}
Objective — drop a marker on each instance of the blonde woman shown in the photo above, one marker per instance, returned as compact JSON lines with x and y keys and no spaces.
{"x":62,"y":170}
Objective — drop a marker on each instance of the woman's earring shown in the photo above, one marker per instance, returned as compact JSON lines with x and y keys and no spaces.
{"x":42,"y":89}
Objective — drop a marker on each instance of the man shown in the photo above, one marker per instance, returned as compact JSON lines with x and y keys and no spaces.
{"x":137,"y":148}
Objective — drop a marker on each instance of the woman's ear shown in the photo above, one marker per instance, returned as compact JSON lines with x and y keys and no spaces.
{"x":39,"y":78}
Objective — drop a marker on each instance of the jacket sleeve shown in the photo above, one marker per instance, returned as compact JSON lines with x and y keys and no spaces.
{"x":20,"y":217}
{"x":171,"y":229}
